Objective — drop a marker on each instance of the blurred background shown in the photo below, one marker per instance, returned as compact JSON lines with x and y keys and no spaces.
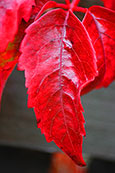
{"x":24,"y":149}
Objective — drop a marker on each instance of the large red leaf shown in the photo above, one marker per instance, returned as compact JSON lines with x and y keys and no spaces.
{"x":109,"y":4}
{"x":100,"y":24}
{"x":58,"y":60}
{"x":11,"y":13}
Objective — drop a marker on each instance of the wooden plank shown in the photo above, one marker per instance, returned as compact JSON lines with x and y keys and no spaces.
{"x":99,"y":108}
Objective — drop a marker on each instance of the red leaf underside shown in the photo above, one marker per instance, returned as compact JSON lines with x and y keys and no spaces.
{"x":100,"y":25}
{"x":58,"y":60}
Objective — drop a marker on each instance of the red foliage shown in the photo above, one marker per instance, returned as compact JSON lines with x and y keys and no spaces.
{"x":11,"y":13}
{"x":109,"y":4}
{"x":56,"y":70}
{"x":100,"y":25}
{"x":62,"y":58}
{"x":6,"y":67}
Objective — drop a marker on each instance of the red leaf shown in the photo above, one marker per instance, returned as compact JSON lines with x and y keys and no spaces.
{"x":58,"y":60}
{"x":100,"y":24}
{"x":8,"y":60}
{"x":109,"y":4}
{"x":40,"y":3}
{"x":47,"y":5}
{"x":38,"y":6}
{"x":11,"y":13}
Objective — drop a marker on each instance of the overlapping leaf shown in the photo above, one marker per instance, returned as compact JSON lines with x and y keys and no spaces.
{"x":109,"y":4}
{"x":100,"y":24}
{"x":8,"y":60}
{"x":40,"y":3}
{"x":11,"y":13}
{"x":38,"y":6}
{"x":58,"y":60}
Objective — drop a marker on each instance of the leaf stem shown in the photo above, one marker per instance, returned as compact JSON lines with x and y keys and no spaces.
{"x":64,"y":6}
{"x":53,"y":4}
{"x":80,"y":9}
{"x":74,"y":4}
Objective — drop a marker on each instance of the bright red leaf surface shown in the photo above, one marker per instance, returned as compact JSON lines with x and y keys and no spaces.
{"x":11,"y":13}
{"x":109,"y":4}
{"x":58,"y":60}
{"x":100,"y":24}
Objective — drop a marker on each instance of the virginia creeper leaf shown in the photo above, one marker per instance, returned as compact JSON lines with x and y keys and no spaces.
{"x":109,"y":4}
{"x":40,"y":3}
{"x":38,"y":6}
{"x":47,"y":5}
{"x":58,"y":60}
{"x":11,"y":13}
{"x":100,"y":24}
{"x":9,"y":58}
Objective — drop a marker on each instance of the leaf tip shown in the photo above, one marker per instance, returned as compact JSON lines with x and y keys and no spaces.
{"x":79,"y":160}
